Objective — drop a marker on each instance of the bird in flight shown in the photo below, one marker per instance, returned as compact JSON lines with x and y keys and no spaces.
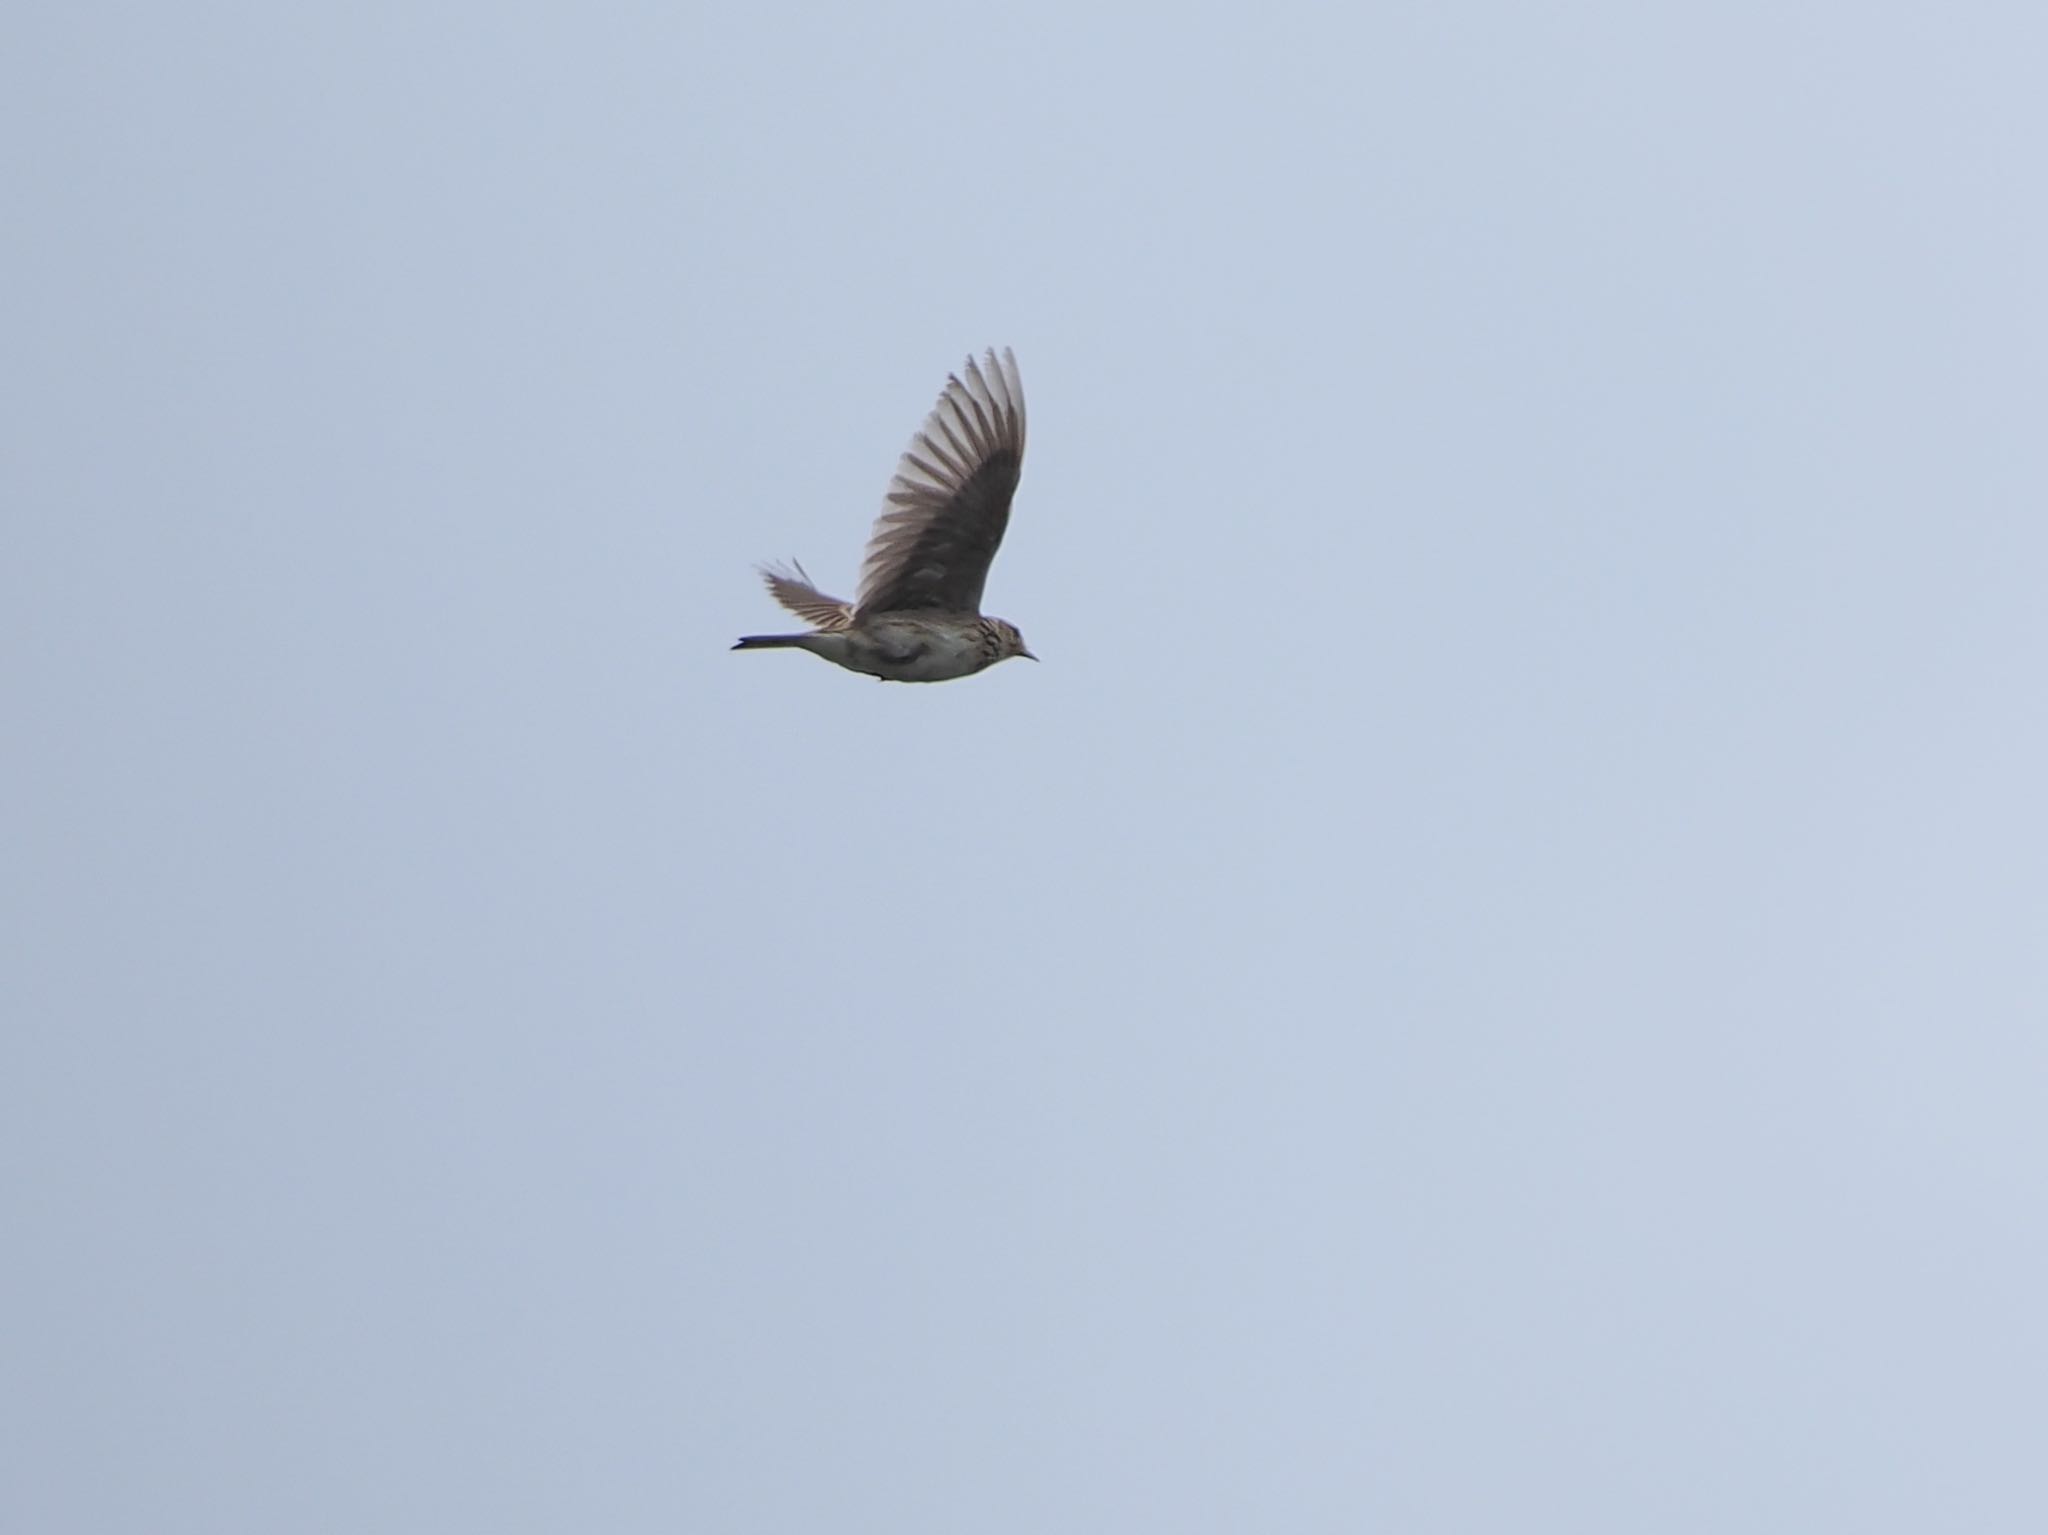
{"x":918,"y":615}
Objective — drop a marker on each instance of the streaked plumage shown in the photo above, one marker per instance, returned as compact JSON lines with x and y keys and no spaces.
{"x":918,"y":615}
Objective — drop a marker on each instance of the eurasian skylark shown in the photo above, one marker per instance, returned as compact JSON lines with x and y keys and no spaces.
{"x":918,"y":616}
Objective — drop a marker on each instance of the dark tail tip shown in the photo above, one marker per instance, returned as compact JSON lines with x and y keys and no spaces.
{"x":767,"y":641}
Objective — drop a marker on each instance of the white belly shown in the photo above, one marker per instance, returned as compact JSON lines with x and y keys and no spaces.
{"x":908,"y":650}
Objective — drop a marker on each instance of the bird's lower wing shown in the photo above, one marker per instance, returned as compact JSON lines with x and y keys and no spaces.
{"x":792,"y":588}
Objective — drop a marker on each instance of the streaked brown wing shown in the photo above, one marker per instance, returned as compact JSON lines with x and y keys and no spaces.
{"x":949,"y":502}
{"x":792,"y":588}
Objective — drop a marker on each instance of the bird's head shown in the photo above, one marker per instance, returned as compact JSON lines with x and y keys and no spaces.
{"x":1009,"y":641}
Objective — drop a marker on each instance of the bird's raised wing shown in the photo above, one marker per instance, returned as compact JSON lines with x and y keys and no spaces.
{"x":949,"y":503}
{"x":792,"y":588}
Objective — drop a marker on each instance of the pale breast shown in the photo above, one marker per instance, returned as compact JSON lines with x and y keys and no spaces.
{"x":907,"y":650}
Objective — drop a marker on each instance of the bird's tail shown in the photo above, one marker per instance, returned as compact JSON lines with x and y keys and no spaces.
{"x":772,"y":642}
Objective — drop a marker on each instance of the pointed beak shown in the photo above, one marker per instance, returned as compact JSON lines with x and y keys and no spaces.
{"x":1027,"y":655}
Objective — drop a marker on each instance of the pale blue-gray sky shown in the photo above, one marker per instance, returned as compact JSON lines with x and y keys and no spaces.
{"x":1494,"y":979}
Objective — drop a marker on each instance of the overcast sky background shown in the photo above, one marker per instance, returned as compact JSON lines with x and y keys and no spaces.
{"x":1494,"y":979}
